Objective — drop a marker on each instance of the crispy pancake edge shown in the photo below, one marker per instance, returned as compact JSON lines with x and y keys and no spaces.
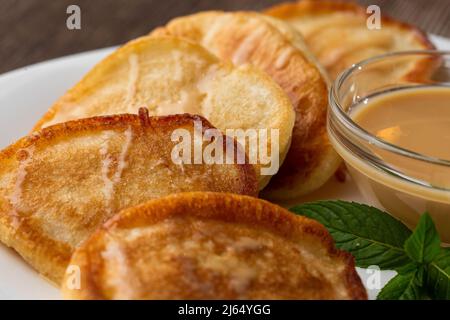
{"x":222,"y":207}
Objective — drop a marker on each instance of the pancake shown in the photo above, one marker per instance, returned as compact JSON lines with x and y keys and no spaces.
{"x":205,"y":245}
{"x":172,"y":76}
{"x":276,"y":48}
{"x":337,"y":34}
{"x":60,"y":184}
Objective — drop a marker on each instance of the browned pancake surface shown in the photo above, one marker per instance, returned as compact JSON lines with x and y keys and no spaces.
{"x":337,"y":34}
{"x":59,"y":184}
{"x":212,"y":246}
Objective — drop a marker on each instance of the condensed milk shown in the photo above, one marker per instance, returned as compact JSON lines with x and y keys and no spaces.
{"x":415,"y":177}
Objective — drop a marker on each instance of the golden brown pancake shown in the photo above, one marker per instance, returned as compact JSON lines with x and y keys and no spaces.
{"x":337,"y":34}
{"x":276,"y":48}
{"x":205,"y":245}
{"x":60,"y":184}
{"x":172,"y":76}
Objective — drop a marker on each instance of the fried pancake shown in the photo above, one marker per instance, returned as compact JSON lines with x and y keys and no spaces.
{"x":171,"y":76}
{"x":206,"y":245}
{"x":276,"y":48}
{"x":60,"y":184}
{"x":337,"y":34}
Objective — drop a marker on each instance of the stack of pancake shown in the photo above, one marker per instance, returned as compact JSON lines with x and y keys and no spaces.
{"x":94,"y":187}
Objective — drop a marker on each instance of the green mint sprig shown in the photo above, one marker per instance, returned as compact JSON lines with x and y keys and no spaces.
{"x":374,"y":237}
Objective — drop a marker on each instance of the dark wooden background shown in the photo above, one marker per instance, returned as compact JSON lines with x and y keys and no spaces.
{"x":35,"y":30}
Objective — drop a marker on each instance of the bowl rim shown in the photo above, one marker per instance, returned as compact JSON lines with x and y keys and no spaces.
{"x":360,"y":132}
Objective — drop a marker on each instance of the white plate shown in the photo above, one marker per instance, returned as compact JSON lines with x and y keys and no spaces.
{"x":25,"y":96}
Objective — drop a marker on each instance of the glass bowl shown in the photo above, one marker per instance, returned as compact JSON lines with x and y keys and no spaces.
{"x":407,"y":191}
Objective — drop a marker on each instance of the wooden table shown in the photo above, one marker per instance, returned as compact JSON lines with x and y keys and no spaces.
{"x":35,"y":30}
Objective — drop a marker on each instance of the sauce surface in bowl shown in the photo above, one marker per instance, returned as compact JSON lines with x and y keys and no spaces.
{"x":414,"y":119}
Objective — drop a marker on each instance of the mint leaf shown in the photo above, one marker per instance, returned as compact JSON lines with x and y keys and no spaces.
{"x":372,"y":236}
{"x":404,"y":287}
{"x":424,"y":244}
{"x":438,"y":278}
{"x":408,"y":268}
